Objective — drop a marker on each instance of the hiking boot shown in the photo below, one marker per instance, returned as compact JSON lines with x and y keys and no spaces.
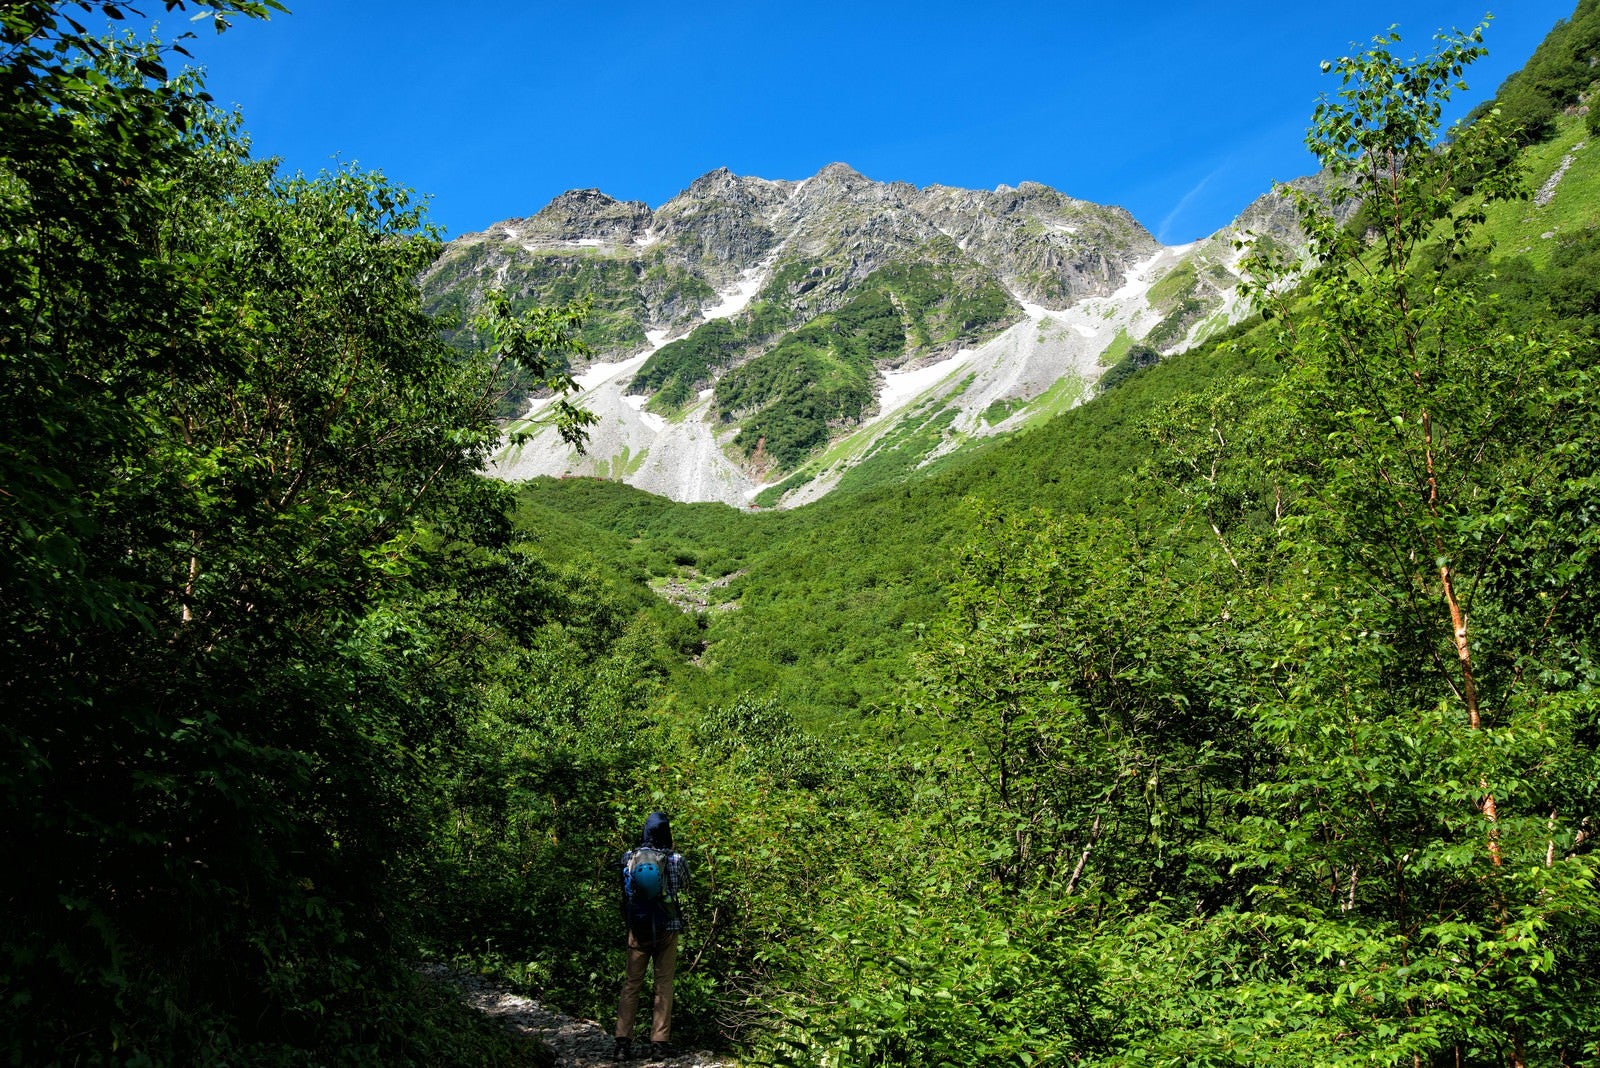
{"x":623,"y":1050}
{"x":660,"y":1051}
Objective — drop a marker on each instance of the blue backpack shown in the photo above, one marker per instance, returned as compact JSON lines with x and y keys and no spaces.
{"x":644,"y":889}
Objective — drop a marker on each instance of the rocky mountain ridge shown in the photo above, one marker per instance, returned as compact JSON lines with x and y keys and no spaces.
{"x":755,"y":339}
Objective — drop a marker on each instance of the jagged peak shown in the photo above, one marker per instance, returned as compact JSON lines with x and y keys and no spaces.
{"x":711,"y":181}
{"x":584,"y":214}
{"x":589,"y":202}
{"x":580,"y":197}
{"x":1038,"y":190}
{"x":723,"y":184}
{"x":1275,"y":213}
{"x":1036,"y":193}
{"x":840,"y":172}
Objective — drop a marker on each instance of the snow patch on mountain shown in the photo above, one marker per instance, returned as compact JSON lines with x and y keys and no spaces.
{"x":737,"y":297}
{"x":901,"y":387}
{"x":1148,"y":272}
{"x":637,"y":401}
{"x":682,"y":459}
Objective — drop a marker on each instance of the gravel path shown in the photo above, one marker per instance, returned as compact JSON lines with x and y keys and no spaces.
{"x":576,"y":1043}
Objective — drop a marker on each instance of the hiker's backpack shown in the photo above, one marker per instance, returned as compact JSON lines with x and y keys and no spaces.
{"x":644,"y":889}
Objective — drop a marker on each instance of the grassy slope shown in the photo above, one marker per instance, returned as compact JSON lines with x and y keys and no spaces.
{"x":1519,"y":228}
{"x":832,"y":593}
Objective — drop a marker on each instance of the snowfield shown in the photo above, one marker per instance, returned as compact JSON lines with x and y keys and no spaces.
{"x":683,"y":460}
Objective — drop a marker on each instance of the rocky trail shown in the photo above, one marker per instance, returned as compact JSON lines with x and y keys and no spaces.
{"x":575,"y":1043}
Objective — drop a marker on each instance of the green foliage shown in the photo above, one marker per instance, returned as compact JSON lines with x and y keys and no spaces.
{"x":1242,"y":715}
{"x":775,"y":493}
{"x":1171,"y":331}
{"x":1184,"y":295}
{"x":1176,"y":284}
{"x":534,"y":352}
{"x":515,"y":874}
{"x":793,"y":279}
{"x":235,"y":454}
{"x":790,"y":399}
{"x":680,"y":369}
{"x":1561,"y":69}
{"x":1430,"y":717}
{"x":760,"y":738}
{"x":1000,"y":409}
{"x":1574,"y":285}
{"x":800,"y":384}
{"x":1093,"y":702}
{"x":787,"y":398}
{"x":833,"y":592}
{"x":1138,"y":358}
{"x":944,"y":299}
{"x":623,"y":292}
{"x":939,"y":969}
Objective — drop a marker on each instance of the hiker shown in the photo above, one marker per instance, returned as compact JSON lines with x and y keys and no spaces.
{"x":652,"y":878}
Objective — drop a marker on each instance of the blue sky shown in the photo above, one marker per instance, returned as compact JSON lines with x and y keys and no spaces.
{"x":1180,"y":112}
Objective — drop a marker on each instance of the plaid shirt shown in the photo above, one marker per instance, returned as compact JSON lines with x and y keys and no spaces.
{"x":677,"y":882}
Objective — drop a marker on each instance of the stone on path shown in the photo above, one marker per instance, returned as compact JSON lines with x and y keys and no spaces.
{"x":576,"y":1043}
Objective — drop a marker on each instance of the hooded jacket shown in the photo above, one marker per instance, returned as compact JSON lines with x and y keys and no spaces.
{"x":657,"y":831}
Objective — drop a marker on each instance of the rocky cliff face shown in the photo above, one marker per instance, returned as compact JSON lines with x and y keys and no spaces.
{"x":1050,"y":249}
{"x":1273,"y":215}
{"x":755,"y":339}
{"x":581,"y":217}
{"x":1045,"y":247}
{"x":722,"y":223}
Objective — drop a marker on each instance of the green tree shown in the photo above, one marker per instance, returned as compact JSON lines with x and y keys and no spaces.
{"x":231,"y":441}
{"x":1087,"y":687}
{"x":1422,"y":853}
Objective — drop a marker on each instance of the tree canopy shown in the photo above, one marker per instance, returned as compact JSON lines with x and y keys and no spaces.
{"x":237,"y":464}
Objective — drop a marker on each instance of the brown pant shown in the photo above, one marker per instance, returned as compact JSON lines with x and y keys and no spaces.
{"x":664,"y":950}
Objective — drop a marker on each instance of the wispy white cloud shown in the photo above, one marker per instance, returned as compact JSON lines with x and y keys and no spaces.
{"x":1183,"y":203}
